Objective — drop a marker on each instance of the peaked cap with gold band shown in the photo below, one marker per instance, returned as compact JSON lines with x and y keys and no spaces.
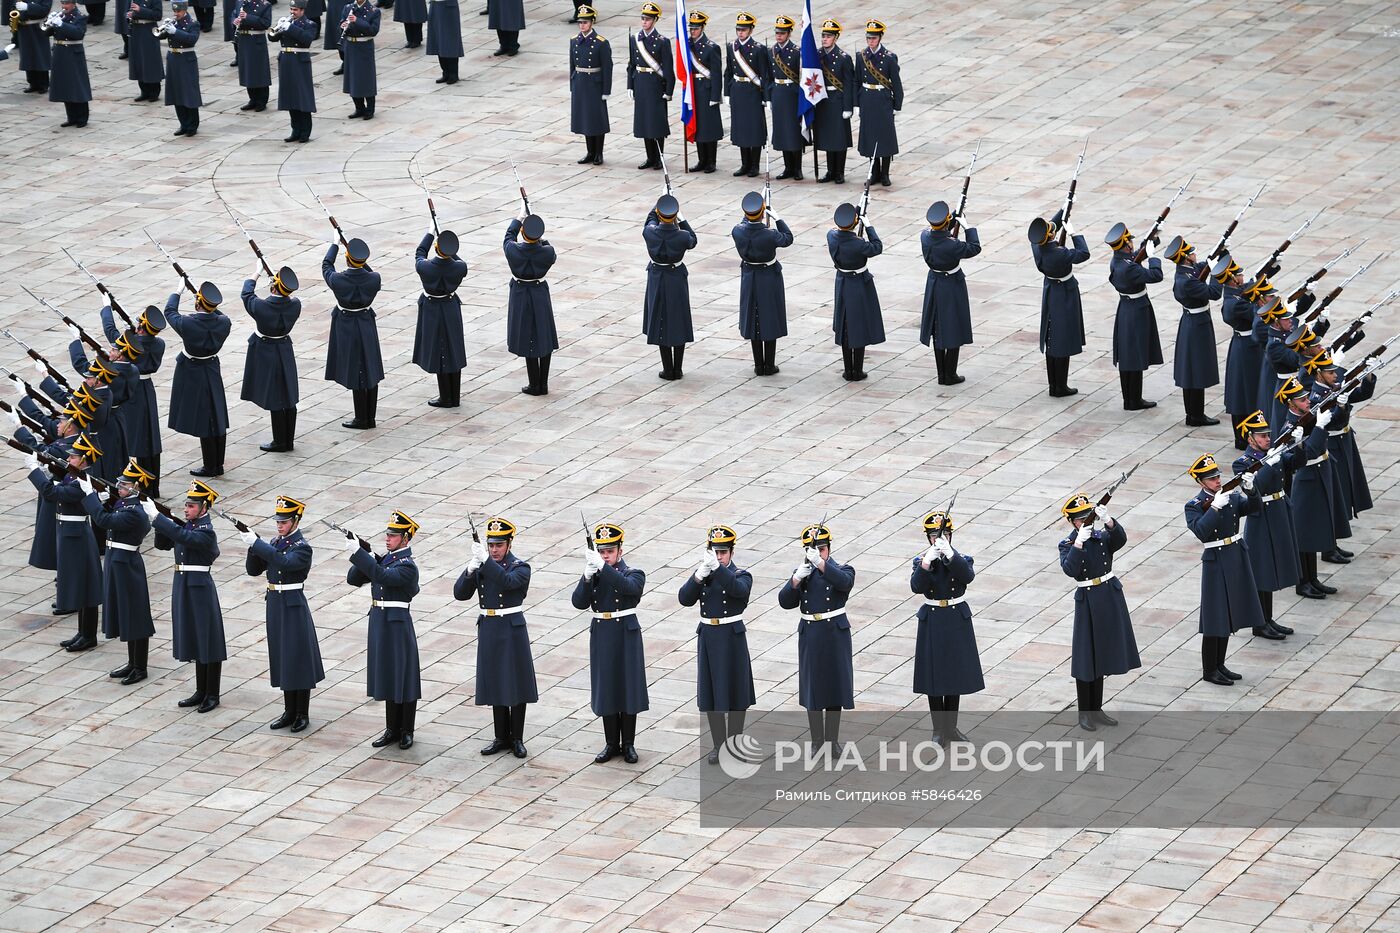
{"x":816,"y":535}
{"x":1041,"y":231}
{"x":499,"y":529}
{"x":588,"y":13}
{"x":153,"y":319}
{"x":831,"y":27}
{"x":938,"y":521}
{"x":130,"y":350}
{"x":1178,"y":249}
{"x":607,"y":535}
{"x":285,"y":282}
{"x":136,"y":474}
{"x":1204,"y":467}
{"x":1290,"y":389}
{"x":1318,"y":361}
{"x":77,"y":414}
{"x":1301,"y":339}
{"x":208,"y":298}
{"x":784,"y":24}
{"x":698,"y":18}
{"x":939,"y":215}
{"x":101,"y":370}
{"x":745,"y":20}
{"x":720,"y":537}
{"x":85,"y":448}
{"x":401,"y":524}
{"x":83,"y":396}
{"x":1118,"y":235}
{"x":874,"y":28}
{"x":1257,"y":289}
{"x":652,"y":10}
{"x":1254,"y":423}
{"x":1077,"y":506}
{"x":288,"y":508}
{"x":1224,"y":269}
{"x":201,"y":491}
{"x":1273,"y":310}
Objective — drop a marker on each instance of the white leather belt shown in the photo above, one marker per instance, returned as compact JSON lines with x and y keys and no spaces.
{"x":761,"y":264}
{"x":722,"y":620}
{"x":587,"y":71}
{"x":191,"y":356}
{"x":744,"y":80}
{"x":1195,"y":310}
{"x":252,"y":32}
{"x":440,"y":297}
{"x":192,"y":568}
{"x":664,"y":265}
{"x":783,"y":81}
{"x":525,"y":281}
{"x":359,"y":38}
{"x":389,"y":603}
{"x":957,"y":268}
{"x":292,"y":49}
{"x":620,"y":614}
{"x":270,"y":336}
{"x":174,"y":51}
{"x":1345,"y":430}
{"x":147,"y":376}
{"x":1095,"y":581}
{"x":850,"y":271}
{"x":645,"y":70}
{"x":874,"y":87}
{"x":1284,"y":375}
{"x":510,"y":611}
{"x":1324,"y":456}
{"x":942,"y":603}
{"x":820,"y":616}
{"x":356,"y":310}
{"x":72,"y":518}
{"x":1274,"y":496}
{"x":1244,"y":333}
{"x":67,"y":42}
{"x":1141,"y":294}
{"x":121,"y":547}
{"x":284,"y":587}
{"x":1056,"y":278}
{"x":1221,"y":543}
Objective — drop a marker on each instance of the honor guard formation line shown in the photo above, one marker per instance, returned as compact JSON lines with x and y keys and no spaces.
{"x":1301,"y":359}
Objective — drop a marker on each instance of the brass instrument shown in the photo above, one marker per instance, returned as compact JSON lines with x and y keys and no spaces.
{"x":162,"y":27}
{"x":14,"y":22}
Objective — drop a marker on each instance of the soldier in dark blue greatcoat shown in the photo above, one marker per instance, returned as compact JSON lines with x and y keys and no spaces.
{"x":182,"y":68}
{"x":747,"y":76}
{"x":818,"y":589}
{"x":79,"y":583}
{"x":783,"y":95}
{"x":1243,"y":357}
{"x":762,"y":297}
{"x":1136,"y":345}
{"x":146,"y":350}
{"x":445,"y":37}
{"x":856,"y":319}
{"x":360,"y":81}
{"x":946,"y":324}
{"x":296,"y":92}
{"x":438,"y":344}
{"x":1273,"y":552}
{"x":530,"y":330}
{"x":68,"y":77}
{"x":879,"y":95}
{"x":198,"y":406}
{"x":707,"y":63}
{"x":590,"y":86}
{"x":651,"y":80}
{"x":126,"y":598}
{"x":143,"y":64}
{"x":252,"y":19}
{"x":666,"y":308}
{"x":1061,"y":310}
{"x":352,"y":351}
{"x":947,"y":665}
{"x":831,"y":124}
{"x":270,"y":370}
{"x":1194,"y":365}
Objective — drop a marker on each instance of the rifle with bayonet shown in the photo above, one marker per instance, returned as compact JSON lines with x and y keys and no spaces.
{"x":1315,"y":313}
{"x":335,"y":224}
{"x":1353,"y":334}
{"x":29,"y":421}
{"x":1302,"y":289}
{"x":967,"y":183}
{"x":665,"y":174}
{"x":1093,"y":515}
{"x":101,"y":289}
{"x":1271,"y":266}
{"x":97,"y":348}
{"x":38,"y":357}
{"x":1073,"y":186}
{"x":58,"y":467}
{"x":364,"y":545}
{"x":432,"y":211}
{"x":173,"y":264}
{"x":247,"y":236}
{"x":947,"y":515}
{"x":587,"y":534}
{"x":472,"y":522}
{"x":1219,"y":249}
{"x":865,"y":195}
{"x":232,"y":520}
{"x":34,"y":393}
{"x":525,"y":199}
{"x":1141,"y":253}
{"x":767,"y":184}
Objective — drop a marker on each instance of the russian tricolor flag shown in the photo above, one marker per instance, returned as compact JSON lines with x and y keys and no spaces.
{"x":685,"y":73}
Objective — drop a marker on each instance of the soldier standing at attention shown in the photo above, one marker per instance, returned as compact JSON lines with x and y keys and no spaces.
{"x":505,"y":671}
{"x":856,"y":321}
{"x":590,"y":85}
{"x":666,"y":312}
{"x":1136,"y":345}
{"x":616,"y":657}
{"x":947,"y":317}
{"x":651,"y":80}
{"x":35,"y":53}
{"x":1194,"y":365}
{"x":79,"y":575}
{"x":198,"y":406}
{"x":413,"y":14}
{"x":296,"y":91}
{"x":507,"y":17}
{"x":1311,"y":498}
{"x":724,"y":673}
{"x":182,"y":69}
{"x":530,"y":328}
{"x":143,"y":63}
{"x":1244,"y":358}
{"x":392,"y":673}
{"x":762,"y":298}
{"x":352,"y":351}
{"x":831,"y":127}
{"x":293,"y":652}
{"x":69,"y":82}
{"x":1268,"y":535}
{"x":706,"y":61}
{"x":361,"y":25}
{"x":438,"y":344}
{"x":126,"y":598}
{"x":819,"y":588}
{"x":1061,"y":311}
{"x":1103,"y":643}
{"x":946,"y":662}
{"x":254,"y":73}
{"x":270,"y":373}
{"x":880,"y":95}
{"x":783,"y":94}
{"x":445,"y":37}
{"x":747,"y":76}
{"x":196,"y":621}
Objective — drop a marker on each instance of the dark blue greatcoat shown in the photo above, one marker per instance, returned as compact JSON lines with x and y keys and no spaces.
{"x":444,"y":29}
{"x":79,"y":573}
{"x":879,"y":95}
{"x":666,"y":318}
{"x":330,"y":25}
{"x":1229,"y":596}
{"x":411,"y":11}
{"x":651,"y":90}
{"x":709,"y":90}
{"x":856,"y":320}
{"x":748,"y":117}
{"x":270,"y":371}
{"x":197,"y":403}
{"x":1243,"y":358}
{"x":724,"y":676}
{"x":111,"y":434}
{"x":1194,"y":365}
{"x":1273,"y":553}
{"x":1277,"y":363}
{"x":825,"y":672}
{"x":352,"y":351}
{"x":1136,"y":345}
{"x":360,"y":78}
{"x":1348,"y":473}
{"x":296,"y":90}
{"x":946,"y":661}
{"x":293,"y":653}
{"x":1311,"y":497}
{"x":783,"y":94}
{"x":143,"y":49}
{"x":126,"y":599}
{"x":762,"y":297}
{"x":505,"y":15}
{"x":947,"y":316}
{"x":391,"y":672}
{"x":68,"y":78}
{"x":142,"y":413}
{"x":505,"y":669}
{"x":616,"y":657}
{"x":588,"y":111}
{"x":35,"y":53}
{"x":182,"y":65}
{"x":1103,"y":631}
{"x":197,"y":622}
{"x":254,"y":69}
{"x":43,"y":546}
{"x":831,"y":130}
{"x":1061,"y":310}
{"x":530,"y":314}
{"x":438,"y":344}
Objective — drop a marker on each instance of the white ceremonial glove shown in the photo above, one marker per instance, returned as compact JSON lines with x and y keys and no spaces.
{"x":1339,"y":356}
{"x":479,"y":552}
{"x":1324,"y":314}
{"x":257,"y":273}
{"x":104,"y":494}
{"x":1221,"y":499}
{"x":1247,"y":481}
{"x":1069,"y":229}
{"x":1149,"y":250}
{"x":85,"y":485}
{"x":701,"y":572}
{"x":846,"y":115}
{"x":9,"y":48}
{"x":18,"y":384}
{"x":604,"y":97}
{"x":149,"y":508}
{"x":944,"y":548}
{"x":629,"y":94}
{"x":74,"y":332}
{"x":589,"y":568}
{"x":1274,"y":455}
{"x":31,"y":461}
{"x":1083,"y":534}
{"x":595,"y":560}
{"x":248,"y":537}
{"x":813,"y":555}
{"x":802,"y":572}
{"x":351,"y":544}
{"x":931,"y":554}
{"x":21,"y":6}
{"x":667,"y":99}
{"x":41,"y":369}
{"x":14,"y":418}
{"x":711,"y":561}
{"x":1103,"y":515}
{"x":1324,"y":419}
{"x":1296,"y":434}
{"x":473,"y":565}
{"x":1344,"y":398}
